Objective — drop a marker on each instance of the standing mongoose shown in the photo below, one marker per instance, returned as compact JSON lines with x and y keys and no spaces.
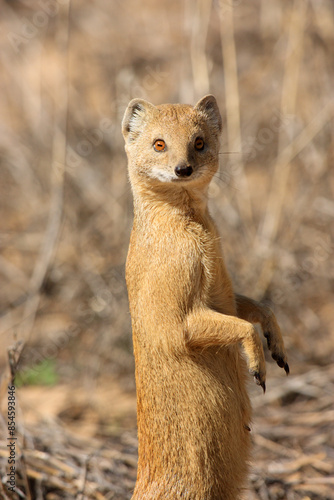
{"x":188,"y":325}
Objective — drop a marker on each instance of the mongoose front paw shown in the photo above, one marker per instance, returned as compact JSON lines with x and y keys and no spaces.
{"x":256,"y":362}
{"x":272,"y":333}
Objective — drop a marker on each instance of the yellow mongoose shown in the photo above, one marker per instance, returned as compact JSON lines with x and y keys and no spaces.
{"x":192,"y":405}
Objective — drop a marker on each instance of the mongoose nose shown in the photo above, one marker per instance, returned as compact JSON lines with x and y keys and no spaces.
{"x":183,"y":170}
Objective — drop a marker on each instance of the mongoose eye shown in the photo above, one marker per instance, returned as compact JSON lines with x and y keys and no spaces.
{"x":199,"y":144}
{"x":159,"y":145}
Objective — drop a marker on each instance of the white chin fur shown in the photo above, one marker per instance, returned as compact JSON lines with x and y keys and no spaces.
{"x":162,"y":175}
{"x":165,"y":176}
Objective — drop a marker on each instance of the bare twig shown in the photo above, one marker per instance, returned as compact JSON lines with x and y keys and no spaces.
{"x":233,"y":110}
{"x":283,"y":166}
{"x":197,"y":49}
{"x":83,"y":480}
{"x":14,"y":358}
{"x":288,"y":107}
{"x":57,"y":175}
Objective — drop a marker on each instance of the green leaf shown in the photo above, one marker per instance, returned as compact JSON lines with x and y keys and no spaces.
{"x":43,"y":373}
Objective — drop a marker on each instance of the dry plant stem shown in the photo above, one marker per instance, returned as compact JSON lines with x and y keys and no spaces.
{"x":83,"y":480}
{"x":197,"y":49}
{"x":57,"y":174}
{"x":3,"y":493}
{"x":288,"y":107}
{"x":25,"y":475}
{"x":276,"y":448}
{"x":232,"y":103}
{"x":13,"y":359}
{"x":283,"y":162}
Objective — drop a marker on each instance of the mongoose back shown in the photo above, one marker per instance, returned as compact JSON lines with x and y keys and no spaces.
{"x":193,"y":410}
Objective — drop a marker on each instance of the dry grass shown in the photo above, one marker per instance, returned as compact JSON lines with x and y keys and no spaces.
{"x":67,"y":75}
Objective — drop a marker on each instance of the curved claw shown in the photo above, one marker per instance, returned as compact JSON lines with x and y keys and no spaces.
{"x":281,"y":363}
{"x":259,"y":381}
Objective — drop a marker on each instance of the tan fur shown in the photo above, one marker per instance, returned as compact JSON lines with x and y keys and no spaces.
{"x":193,"y":409}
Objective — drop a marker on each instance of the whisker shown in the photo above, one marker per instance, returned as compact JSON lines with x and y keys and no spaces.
{"x":226,"y":180}
{"x":223,"y":177}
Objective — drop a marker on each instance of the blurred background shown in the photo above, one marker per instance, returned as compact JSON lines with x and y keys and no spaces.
{"x":68,"y":71}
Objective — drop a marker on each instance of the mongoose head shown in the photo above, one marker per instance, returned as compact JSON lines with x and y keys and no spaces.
{"x":172,"y":143}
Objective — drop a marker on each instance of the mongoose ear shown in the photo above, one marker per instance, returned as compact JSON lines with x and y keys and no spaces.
{"x":134,"y":118}
{"x":208,"y":106}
